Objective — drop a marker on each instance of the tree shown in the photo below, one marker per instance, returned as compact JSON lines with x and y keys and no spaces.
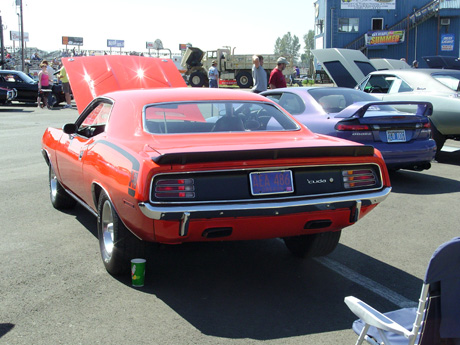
{"x":309,"y":41}
{"x":287,"y":46}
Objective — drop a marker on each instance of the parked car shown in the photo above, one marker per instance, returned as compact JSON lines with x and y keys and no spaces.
{"x":27,"y":88}
{"x":403,"y":138}
{"x":350,"y":68}
{"x":7,"y":95}
{"x":176,"y":164}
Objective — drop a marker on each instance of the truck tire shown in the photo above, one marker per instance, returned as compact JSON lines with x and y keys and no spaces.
{"x":244,"y":80}
{"x":197,"y":79}
{"x":310,"y":246}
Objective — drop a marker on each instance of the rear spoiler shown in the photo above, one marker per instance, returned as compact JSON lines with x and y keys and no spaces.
{"x":298,"y":152}
{"x":358,"y":109}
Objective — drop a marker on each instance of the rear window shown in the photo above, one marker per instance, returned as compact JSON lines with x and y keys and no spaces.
{"x":204,"y":117}
{"x":449,"y":79}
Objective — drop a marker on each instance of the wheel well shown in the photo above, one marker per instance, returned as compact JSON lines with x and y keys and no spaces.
{"x":97,"y":189}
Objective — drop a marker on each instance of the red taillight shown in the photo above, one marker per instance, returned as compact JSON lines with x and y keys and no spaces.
{"x":350,"y":127}
{"x":358,"y":178}
{"x":427,"y":125}
{"x":175,"y":188}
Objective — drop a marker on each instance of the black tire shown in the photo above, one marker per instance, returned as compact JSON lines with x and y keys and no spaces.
{"x":310,"y":246}
{"x":53,"y":100}
{"x":197,"y":79}
{"x":244,"y":80}
{"x":60,"y":199}
{"x":117,"y":244}
{"x":438,"y":138}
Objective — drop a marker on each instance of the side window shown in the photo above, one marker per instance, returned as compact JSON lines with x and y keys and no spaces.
{"x":94,"y":123}
{"x":378,"y":84}
{"x":405,"y":87}
{"x":292,"y":103}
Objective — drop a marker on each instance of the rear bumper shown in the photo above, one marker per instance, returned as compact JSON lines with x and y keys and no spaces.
{"x":262,"y":209}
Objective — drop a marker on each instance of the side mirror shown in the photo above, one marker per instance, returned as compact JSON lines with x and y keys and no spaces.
{"x":69,"y":128}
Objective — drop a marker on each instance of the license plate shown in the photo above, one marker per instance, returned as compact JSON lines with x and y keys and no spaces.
{"x":396,"y":136}
{"x":271,"y":182}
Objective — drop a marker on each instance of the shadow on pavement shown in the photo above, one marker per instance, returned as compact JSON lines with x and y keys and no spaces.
{"x":5,"y":328}
{"x":420,"y":183}
{"x":257,"y":290}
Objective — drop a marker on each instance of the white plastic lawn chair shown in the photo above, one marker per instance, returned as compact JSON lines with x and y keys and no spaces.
{"x":435,"y":321}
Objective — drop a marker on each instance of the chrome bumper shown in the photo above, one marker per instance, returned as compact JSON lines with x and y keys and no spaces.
{"x":184,"y":213}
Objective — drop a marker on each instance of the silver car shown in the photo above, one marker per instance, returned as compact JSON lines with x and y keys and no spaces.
{"x":440,"y":87}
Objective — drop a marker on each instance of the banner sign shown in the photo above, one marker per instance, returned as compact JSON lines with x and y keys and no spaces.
{"x":72,"y":41}
{"x":383,"y":37}
{"x":447,"y":42}
{"x":368,"y":4}
{"x":115,"y":43}
{"x":183,"y":46}
{"x":16,"y":36}
{"x":149,"y":45}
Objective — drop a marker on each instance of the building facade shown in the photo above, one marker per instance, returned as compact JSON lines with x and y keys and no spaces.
{"x":391,"y":29}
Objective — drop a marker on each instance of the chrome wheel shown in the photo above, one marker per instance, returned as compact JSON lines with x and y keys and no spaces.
{"x":53,"y":186}
{"x":60,"y":199}
{"x":107,"y":231}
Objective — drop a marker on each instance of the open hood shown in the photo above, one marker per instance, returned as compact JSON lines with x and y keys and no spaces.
{"x":439,"y":61}
{"x":383,"y":64}
{"x":345,"y":67}
{"x":93,"y":76}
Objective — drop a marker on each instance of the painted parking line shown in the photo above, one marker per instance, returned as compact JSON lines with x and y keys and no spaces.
{"x":367,"y":283}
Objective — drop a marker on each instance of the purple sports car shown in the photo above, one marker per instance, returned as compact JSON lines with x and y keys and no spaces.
{"x":403,"y":138}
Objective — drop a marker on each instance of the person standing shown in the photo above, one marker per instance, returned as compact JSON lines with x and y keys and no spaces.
{"x":213,"y":75}
{"x":62,"y":76}
{"x":277,"y":79}
{"x":43,"y":84}
{"x":259,"y":75}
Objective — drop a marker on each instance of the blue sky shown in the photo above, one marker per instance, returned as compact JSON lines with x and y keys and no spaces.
{"x":250,"y":26}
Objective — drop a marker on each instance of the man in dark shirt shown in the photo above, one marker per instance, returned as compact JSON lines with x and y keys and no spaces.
{"x":277,"y":79}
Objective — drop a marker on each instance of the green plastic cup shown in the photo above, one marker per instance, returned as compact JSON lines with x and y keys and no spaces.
{"x":138,"y":272}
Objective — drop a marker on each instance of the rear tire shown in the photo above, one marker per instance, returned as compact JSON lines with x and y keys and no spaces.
{"x":117,"y":244}
{"x":60,"y":199}
{"x":309,"y":246}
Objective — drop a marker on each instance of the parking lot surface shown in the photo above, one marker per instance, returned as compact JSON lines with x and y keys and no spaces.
{"x":55,"y":290}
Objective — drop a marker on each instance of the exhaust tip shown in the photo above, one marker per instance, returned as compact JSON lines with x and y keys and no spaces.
{"x":217,"y":232}
{"x":318,"y":224}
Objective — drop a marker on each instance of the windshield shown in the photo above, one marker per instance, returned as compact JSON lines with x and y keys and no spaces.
{"x":450,"y":79}
{"x":334,"y":100}
{"x":203,"y":117}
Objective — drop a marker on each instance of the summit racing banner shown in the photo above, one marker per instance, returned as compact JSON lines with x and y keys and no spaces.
{"x":375,"y":38}
{"x":368,"y":4}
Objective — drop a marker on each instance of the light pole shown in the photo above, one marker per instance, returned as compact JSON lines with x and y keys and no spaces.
{"x":2,"y":47}
{"x":22,"y":35}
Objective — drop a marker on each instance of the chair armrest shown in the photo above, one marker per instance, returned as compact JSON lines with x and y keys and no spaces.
{"x":374,"y":318}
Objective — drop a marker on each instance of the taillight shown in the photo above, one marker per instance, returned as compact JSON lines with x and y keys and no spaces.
{"x":427,"y":125}
{"x":351,"y":127}
{"x":358,"y":178}
{"x":175,"y":188}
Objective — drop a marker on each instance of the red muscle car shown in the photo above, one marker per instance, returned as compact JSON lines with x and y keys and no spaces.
{"x":156,"y":161}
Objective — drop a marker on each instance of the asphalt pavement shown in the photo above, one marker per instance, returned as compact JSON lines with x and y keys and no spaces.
{"x":55,"y":290}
